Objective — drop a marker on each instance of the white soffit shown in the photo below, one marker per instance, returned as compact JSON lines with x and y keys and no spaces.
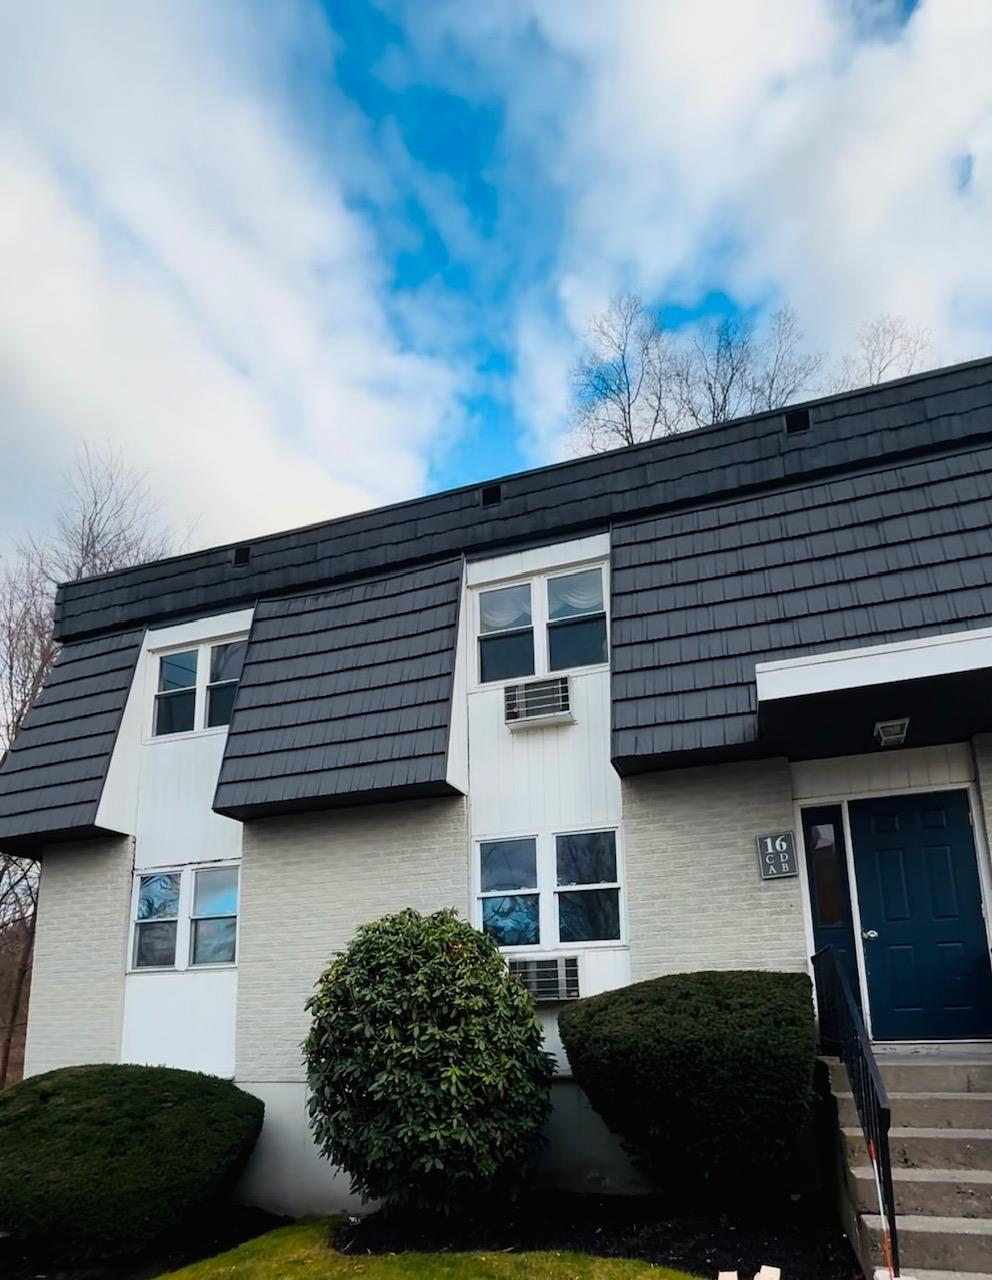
{"x":879,"y":664}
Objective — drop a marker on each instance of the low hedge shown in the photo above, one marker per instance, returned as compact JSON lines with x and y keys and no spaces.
{"x":102,"y":1162}
{"x":705,"y":1077}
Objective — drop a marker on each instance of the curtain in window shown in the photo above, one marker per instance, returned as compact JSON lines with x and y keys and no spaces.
{"x":575,"y":594}
{"x":505,"y":609}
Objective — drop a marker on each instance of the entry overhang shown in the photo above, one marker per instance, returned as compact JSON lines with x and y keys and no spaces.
{"x":828,"y":704}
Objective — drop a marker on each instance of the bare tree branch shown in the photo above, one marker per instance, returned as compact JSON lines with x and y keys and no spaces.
{"x":623,"y":383}
{"x":107,"y":521}
{"x":887,"y":347}
{"x":634,"y":382}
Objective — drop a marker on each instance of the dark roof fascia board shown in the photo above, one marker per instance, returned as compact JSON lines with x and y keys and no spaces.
{"x":927,"y":412}
{"x":343,"y":800}
{"x":34,"y":845}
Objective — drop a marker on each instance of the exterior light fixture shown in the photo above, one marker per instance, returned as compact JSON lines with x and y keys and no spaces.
{"x":891,"y":733}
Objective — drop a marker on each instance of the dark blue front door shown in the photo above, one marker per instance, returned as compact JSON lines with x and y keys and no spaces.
{"x":926,"y":948}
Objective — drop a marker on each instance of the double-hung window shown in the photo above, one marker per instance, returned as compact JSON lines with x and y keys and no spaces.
{"x":552,"y":622}
{"x":554,"y":889}
{"x":195,"y":687}
{"x":185,"y":918}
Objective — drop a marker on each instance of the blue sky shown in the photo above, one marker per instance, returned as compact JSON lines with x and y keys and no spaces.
{"x":299,"y":258}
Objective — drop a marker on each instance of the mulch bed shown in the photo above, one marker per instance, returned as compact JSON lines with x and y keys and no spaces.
{"x":794,"y":1237}
{"x":225,"y":1230}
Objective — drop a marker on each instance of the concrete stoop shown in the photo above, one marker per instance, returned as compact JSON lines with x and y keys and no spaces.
{"x":941,"y":1145}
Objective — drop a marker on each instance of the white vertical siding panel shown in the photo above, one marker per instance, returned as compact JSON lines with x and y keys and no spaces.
{"x":555,"y":776}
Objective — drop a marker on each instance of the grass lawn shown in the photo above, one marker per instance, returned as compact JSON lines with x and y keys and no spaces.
{"x":302,"y":1252}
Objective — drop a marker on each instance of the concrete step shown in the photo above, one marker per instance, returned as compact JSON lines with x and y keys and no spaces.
{"x":926,"y":1148}
{"x":929,"y":1110}
{"x":943,"y":1193}
{"x":928,"y":1075}
{"x":956,"y":1075}
{"x":951,"y":1244}
{"x":922,"y":1273}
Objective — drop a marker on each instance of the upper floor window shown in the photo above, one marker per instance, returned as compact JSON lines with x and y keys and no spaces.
{"x":185,"y":918}
{"x":196,"y":687}
{"x":554,"y":622}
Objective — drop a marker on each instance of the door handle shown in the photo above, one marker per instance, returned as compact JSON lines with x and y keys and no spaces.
{"x":869,"y":935}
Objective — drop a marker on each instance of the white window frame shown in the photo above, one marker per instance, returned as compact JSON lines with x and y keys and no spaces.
{"x":184,"y":925}
{"x":540,"y":620}
{"x":547,"y":889}
{"x":201,"y":688}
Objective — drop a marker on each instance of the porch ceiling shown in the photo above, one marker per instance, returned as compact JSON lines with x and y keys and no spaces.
{"x":945,"y":708}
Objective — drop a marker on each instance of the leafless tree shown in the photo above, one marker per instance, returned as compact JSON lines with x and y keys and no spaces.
{"x":624,"y":382}
{"x":18,"y":903}
{"x":107,"y":521}
{"x":635,"y":382}
{"x":887,"y":347}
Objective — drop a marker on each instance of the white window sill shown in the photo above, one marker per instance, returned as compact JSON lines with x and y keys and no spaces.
{"x":572,"y":673}
{"x":155,"y":739}
{"x":171,"y":968}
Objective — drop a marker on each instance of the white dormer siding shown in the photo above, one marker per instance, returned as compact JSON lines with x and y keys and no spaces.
{"x":160,"y":786}
{"x":537,"y":789}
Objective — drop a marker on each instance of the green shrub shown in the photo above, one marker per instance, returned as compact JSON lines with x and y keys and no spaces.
{"x":427,"y":1078}
{"x":705,"y":1077}
{"x":106,"y":1161}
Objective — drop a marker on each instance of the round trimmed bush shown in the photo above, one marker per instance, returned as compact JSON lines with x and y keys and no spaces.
{"x":428,"y":1082}
{"x":103,"y":1162}
{"x":705,"y":1077}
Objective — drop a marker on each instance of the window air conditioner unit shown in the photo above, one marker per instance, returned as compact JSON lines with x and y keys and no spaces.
{"x":537,"y":702}
{"x":548,"y":978}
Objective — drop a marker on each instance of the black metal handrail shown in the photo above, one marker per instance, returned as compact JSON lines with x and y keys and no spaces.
{"x":843,"y":1035}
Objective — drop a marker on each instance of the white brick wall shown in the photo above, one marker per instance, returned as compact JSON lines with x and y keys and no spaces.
{"x":695,"y":898}
{"x":77,"y":985}
{"x":307,"y":883}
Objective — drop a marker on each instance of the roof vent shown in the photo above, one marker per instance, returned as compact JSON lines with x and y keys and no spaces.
{"x":548,"y":979}
{"x":241,"y":557}
{"x":796,"y":422}
{"x":891,"y":733}
{"x":492,"y":495}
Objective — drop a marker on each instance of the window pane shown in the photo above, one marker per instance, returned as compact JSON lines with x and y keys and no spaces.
{"x":177,"y":670}
{"x":575,"y":594}
{"x":158,"y":897}
{"x":587,"y":857}
{"x":828,"y":889}
{"x":508,"y":864}
{"x":503,"y":657}
{"x":174,"y":712}
{"x":155,"y":944}
{"x":505,"y":608}
{"x":220,"y":703}
{"x":214,"y":941}
{"x":512,"y":921}
{"x":226,"y":661}
{"x":216,"y":892}
{"x":589,"y":915}
{"x":577,"y":644}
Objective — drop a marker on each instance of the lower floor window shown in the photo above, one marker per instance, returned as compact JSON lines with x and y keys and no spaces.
{"x":185,"y":917}
{"x":557,"y":888}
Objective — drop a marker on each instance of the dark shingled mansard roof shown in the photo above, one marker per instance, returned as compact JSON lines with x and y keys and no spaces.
{"x":52,"y":778}
{"x":345,"y":695}
{"x":731,"y":545}
{"x":898,"y":552}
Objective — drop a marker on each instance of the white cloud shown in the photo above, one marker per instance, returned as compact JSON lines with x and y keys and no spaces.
{"x":804,"y":149}
{"x":180,"y":273}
